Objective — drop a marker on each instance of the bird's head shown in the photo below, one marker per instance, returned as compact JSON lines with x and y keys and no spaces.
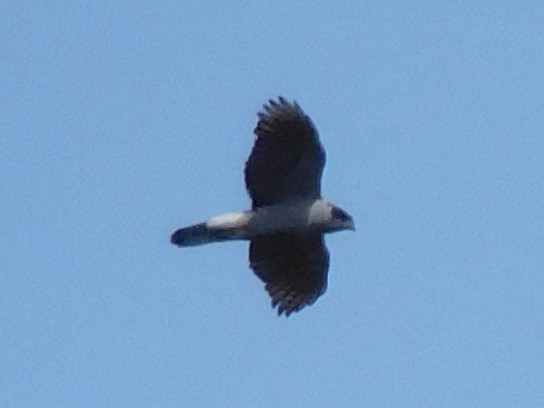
{"x":340,"y":220}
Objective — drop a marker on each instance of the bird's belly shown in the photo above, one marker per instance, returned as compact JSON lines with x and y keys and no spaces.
{"x":273,"y":219}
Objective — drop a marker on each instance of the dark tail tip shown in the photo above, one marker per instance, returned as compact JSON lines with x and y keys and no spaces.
{"x":176,"y":237}
{"x":195,"y":235}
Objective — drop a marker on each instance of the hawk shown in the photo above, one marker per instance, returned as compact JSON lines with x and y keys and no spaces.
{"x":288,"y":216}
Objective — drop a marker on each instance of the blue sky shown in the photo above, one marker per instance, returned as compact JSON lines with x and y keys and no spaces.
{"x":122,"y":121}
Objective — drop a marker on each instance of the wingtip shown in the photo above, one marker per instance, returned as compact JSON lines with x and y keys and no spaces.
{"x":284,"y":311}
{"x":279,"y":104}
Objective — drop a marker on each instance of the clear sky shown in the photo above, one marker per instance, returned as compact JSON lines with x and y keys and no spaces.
{"x":122,"y":121}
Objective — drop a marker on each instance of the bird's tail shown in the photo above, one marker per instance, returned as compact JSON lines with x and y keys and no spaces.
{"x":200,"y":234}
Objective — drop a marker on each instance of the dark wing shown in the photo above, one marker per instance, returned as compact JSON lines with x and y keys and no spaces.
{"x":293,"y":266}
{"x":287,"y":158}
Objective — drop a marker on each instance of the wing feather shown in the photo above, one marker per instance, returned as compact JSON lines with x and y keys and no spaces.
{"x":293,"y":266}
{"x":287,"y":158}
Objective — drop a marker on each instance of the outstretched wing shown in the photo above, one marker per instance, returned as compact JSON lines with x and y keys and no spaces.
{"x":287,"y":158}
{"x":293,"y":266}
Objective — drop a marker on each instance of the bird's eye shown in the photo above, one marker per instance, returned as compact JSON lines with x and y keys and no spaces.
{"x":340,"y":214}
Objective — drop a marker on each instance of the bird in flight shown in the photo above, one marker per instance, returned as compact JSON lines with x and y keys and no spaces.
{"x":288,"y":216}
